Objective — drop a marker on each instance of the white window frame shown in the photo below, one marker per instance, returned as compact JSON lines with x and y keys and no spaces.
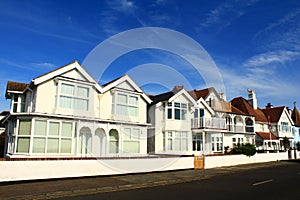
{"x":132,"y":138}
{"x":126,"y":105}
{"x":73,"y":97}
{"x":172,"y":136}
{"x":173,"y":106}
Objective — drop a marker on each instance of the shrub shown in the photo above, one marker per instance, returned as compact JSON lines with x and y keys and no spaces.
{"x":298,"y":146}
{"x":247,"y":149}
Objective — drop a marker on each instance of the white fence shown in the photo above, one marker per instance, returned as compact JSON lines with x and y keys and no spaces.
{"x":230,"y":160}
{"x":45,"y":169}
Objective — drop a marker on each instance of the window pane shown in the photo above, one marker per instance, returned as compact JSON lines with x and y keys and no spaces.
{"x":52,"y":145}
{"x":183,"y":117}
{"x":67,"y":89}
{"x":39,"y":145}
{"x":66,"y":146}
{"x":65,"y":102}
{"x":131,"y":147}
{"x":40,"y":127}
{"x":54,"y":128}
{"x":169,"y":113}
{"x":23,"y":145}
{"x":121,"y":110}
{"x":24,"y":127}
{"x":184,"y":144}
{"x":170,"y":144}
{"x":177,"y":144}
{"x":132,"y":111}
{"x":133,"y":100}
{"x":113,"y":147}
{"x":196,"y":113}
{"x":183,"y":105}
{"x":127,"y":133}
{"x":122,"y":98}
{"x":82,"y":92}
{"x":177,"y":105}
{"x":81,"y":104}
{"x":177,"y":113}
{"x":113,"y":135}
{"x":136,"y":134}
{"x":66,"y":129}
{"x":201,"y":112}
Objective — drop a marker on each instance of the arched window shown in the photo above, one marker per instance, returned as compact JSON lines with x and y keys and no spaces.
{"x":113,"y":141}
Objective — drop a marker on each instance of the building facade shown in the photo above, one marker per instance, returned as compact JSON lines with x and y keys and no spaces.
{"x":67,"y":113}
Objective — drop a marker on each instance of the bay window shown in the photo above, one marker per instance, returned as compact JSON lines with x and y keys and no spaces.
{"x":74,"y":97}
{"x":125,"y":104}
{"x":176,"y":110}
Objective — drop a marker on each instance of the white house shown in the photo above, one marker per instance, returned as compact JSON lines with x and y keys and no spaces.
{"x":225,"y":127}
{"x":67,"y":113}
{"x":295,"y":115}
{"x":170,"y":117}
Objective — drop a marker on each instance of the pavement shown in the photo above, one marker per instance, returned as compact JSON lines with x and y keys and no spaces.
{"x":71,"y":187}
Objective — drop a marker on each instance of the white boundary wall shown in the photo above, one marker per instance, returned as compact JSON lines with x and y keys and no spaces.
{"x":32,"y":170}
{"x":230,"y":160}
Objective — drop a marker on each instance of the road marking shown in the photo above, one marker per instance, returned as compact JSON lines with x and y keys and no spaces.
{"x":263,"y":182}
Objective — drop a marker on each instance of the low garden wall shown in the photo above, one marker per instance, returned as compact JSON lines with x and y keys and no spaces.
{"x":45,"y":169}
{"x":231,"y":160}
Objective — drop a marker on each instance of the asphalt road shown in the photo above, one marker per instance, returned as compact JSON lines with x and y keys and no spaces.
{"x":276,"y":182}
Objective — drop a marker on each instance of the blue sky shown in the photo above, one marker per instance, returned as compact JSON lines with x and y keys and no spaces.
{"x":255,"y":44}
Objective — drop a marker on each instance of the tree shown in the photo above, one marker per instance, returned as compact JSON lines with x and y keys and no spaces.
{"x":286,"y":143}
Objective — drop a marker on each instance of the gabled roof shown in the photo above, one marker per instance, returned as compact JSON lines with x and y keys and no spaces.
{"x":243,"y":105}
{"x":266,"y":135}
{"x":170,"y":96}
{"x":296,"y":117}
{"x":273,"y":114}
{"x":125,"y":78}
{"x":14,"y":87}
{"x":236,"y":110}
{"x":197,"y":94}
{"x":74,"y":65}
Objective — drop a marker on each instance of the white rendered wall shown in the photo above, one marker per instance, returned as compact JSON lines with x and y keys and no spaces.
{"x":30,"y":170}
{"x":230,"y":160}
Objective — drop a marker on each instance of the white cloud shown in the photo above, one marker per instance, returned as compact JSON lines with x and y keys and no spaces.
{"x":224,"y":14}
{"x":272,"y":57}
{"x":44,"y":65}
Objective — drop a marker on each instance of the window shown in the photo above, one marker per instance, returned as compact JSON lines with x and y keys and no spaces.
{"x":18,"y":103}
{"x":199,"y":113}
{"x":176,"y":141}
{"x":178,"y":109}
{"x":216,"y":143}
{"x":74,"y":97}
{"x":126,"y":104}
{"x":47,"y":136}
{"x":131,"y":142}
{"x":23,"y":140}
{"x":285,"y":127}
{"x":113,"y":141}
{"x":197,"y":142}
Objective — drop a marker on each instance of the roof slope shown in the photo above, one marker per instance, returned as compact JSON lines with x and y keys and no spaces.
{"x":296,"y":117}
{"x":197,"y":94}
{"x":273,"y":114}
{"x":243,"y":105}
{"x":266,"y":135}
{"x":14,"y":87}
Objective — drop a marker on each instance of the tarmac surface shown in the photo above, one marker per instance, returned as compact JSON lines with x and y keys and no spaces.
{"x":71,"y":187}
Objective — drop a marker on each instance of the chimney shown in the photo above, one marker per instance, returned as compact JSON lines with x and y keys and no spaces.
{"x":222,"y":96}
{"x":252,"y":98}
{"x":177,"y":88}
{"x":269,"y":105}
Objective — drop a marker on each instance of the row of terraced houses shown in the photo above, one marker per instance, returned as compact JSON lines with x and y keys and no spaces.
{"x":66,"y":113}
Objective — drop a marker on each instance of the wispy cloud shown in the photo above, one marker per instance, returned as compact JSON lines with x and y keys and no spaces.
{"x":282,"y":21}
{"x":44,"y":65}
{"x":41,"y":67}
{"x":279,"y":56}
{"x":226,"y":13}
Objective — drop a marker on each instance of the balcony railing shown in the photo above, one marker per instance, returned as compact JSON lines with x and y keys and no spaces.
{"x":213,"y":123}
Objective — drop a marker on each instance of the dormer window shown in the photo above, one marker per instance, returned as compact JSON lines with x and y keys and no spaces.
{"x":18,"y":103}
